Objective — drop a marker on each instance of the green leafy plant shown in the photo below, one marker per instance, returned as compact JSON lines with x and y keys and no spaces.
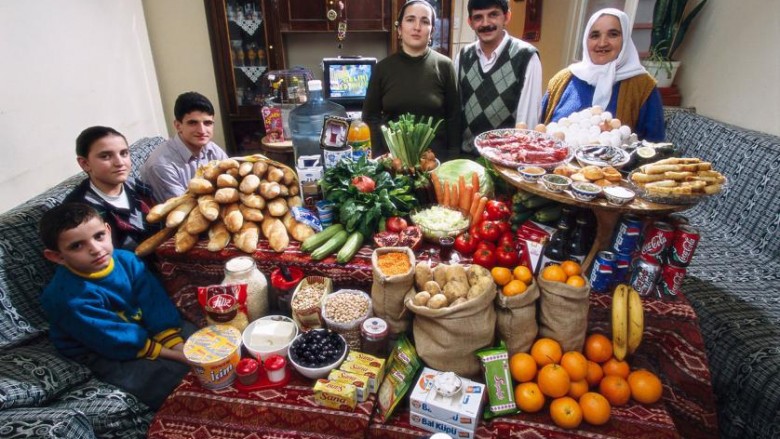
{"x":671,"y":21}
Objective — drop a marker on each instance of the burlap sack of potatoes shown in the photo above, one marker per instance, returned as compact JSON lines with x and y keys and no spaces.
{"x":516,"y":319}
{"x":563,"y":313}
{"x":446,"y":338}
{"x":388,"y":292}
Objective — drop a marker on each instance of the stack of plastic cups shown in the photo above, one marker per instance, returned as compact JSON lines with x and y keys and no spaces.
{"x":325,"y":212}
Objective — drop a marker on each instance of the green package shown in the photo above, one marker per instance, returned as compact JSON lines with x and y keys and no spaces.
{"x":498,"y":381}
{"x":400,"y":372}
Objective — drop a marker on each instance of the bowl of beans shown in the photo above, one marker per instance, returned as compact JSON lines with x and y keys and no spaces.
{"x":344,"y":311}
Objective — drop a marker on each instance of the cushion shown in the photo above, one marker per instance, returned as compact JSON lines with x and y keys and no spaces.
{"x":32,"y":375}
{"x":44,"y":423}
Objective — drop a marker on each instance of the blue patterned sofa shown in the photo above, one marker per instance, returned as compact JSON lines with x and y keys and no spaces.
{"x":44,"y":395}
{"x":734,"y":280}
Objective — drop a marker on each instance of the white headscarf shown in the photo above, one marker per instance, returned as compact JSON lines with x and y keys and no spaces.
{"x":603,"y":77}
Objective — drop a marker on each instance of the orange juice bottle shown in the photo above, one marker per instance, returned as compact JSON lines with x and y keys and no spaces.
{"x":359,"y":138}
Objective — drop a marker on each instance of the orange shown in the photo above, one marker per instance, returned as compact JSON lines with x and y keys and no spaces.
{"x":523,"y":367}
{"x":501,"y":275}
{"x":546,"y":351}
{"x":576,"y":281}
{"x":615,"y":389}
{"x":645,"y":386}
{"x":578,"y":388}
{"x":595,"y":373}
{"x":598,"y":348}
{"x":595,"y":408}
{"x":613,"y":366}
{"x":553,"y":380}
{"x":571,"y":268}
{"x":576,"y":365}
{"x":529,"y":398}
{"x":554,"y":273}
{"x":522,"y":273}
{"x":566,"y":413}
{"x":514,"y":287}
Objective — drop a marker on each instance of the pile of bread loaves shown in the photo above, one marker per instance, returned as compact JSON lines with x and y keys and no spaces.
{"x":232,"y":200}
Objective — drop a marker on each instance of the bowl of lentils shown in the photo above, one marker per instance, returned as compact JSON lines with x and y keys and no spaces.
{"x":344,"y":311}
{"x":317,"y":352}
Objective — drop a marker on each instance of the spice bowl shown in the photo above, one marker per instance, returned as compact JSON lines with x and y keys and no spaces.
{"x":584,"y":191}
{"x":259,"y":345}
{"x":555,"y":183}
{"x":531,"y":174}
{"x":324,"y":343}
{"x":618,"y":195}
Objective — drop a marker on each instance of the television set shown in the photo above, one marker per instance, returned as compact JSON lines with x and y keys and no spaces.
{"x":345,"y":80}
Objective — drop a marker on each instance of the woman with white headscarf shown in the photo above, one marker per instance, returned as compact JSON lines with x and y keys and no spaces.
{"x":609,"y":76}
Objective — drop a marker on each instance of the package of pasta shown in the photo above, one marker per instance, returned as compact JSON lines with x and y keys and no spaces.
{"x":401,"y":370}
{"x":224,"y":304}
{"x":498,"y":381}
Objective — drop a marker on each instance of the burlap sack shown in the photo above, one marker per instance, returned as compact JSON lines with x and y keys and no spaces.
{"x":447,"y":338}
{"x":516,"y":319}
{"x":563,"y":313}
{"x":388,"y":292}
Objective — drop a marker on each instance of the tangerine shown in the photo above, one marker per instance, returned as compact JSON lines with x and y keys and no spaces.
{"x":578,"y":388}
{"x":554,"y":273}
{"x":566,"y":412}
{"x":571,"y":268}
{"x":522,"y":366}
{"x":615,"y":389}
{"x":613,"y":366}
{"x":528,"y":397}
{"x":576,"y":281}
{"x":523,"y":273}
{"x":595,"y":373}
{"x":595,"y":408}
{"x":546,"y":351}
{"x":645,"y":386}
{"x":598,"y":348}
{"x":576,"y":365}
{"x":514,"y":287}
{"x":553,"y":380}
{"x":501,"y":275}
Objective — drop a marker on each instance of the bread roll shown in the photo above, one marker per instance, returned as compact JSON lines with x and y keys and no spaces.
{"x":151,"y":243}
{"x":219,"y":237}
{"x":233,"y":172}
{"x":274,"y":174}
{"x":250,"y":214}
{"x":301,"y":231}
{"x":180,"y":212}
{"x":288,"y":176}
{"x":184,"y":241}
{"x":196,"y":223}
{"x":269,"y":189}
{"x":226,"y":164}
{"x":245,"y":168}
{"x":200,"y":186}
{"x":259,"y":168}
{"x":246,"y":238}
{"x":295,"y":201}
{"x":274,"y":231}
{"x":252,"y":200}
{"x":226,"y":195}
{"x":293,"y":189}
{"x":233,"y":218}
{"x":211,"y":171}
{"x":160,"y":211}
{"x":249,"y":184}
{"x":277,"y":207}
{"x":209,"y":207}
{"x":226,"y":180}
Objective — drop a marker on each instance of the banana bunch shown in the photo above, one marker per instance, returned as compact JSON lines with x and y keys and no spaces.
{"x":628,"y":321}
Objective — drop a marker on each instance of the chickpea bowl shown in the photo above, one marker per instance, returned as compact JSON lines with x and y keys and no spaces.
{"x":344,"y":311}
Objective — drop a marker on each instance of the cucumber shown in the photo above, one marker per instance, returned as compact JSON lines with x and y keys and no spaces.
{"x":536,"y":201}
{"x":334,"y":243}
{"x":521,"y":196}
{"x":520,"y":218}
{"x":316,"y":240}
{"x":548,"y":214}
{"x":349,"y":248}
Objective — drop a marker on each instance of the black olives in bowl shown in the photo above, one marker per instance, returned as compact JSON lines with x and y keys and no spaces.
{"x":315,"y":353}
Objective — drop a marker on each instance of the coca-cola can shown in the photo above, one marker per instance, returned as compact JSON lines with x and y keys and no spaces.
{"x":686,"y":238}
{"x":671,"y":281}
{"x":602,"y":272}
{"x":627,"y":234}
{"x":658,"y":239}
{"x":645,"y":276}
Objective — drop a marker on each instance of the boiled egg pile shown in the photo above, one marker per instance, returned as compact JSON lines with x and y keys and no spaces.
{"x":591,"y":126}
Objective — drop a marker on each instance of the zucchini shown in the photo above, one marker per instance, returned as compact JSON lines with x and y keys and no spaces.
{"x":317,"y":239}
{"x":548,"y":214}
{"x":334,"y":243}
{"x":521,"y":196}
{"x":349,"y":248}
{"x":536,"y":201}
{"x":520,"y":218}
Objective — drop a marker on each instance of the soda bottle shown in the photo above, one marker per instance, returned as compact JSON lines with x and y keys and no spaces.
{"x":359,"y":138}
{"x":556,"y":250}
{"x":578,"y":245}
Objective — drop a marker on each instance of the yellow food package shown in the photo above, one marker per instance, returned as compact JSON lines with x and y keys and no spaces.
{"x":335,"y":394}
{"x":359,"y":381}
{"x":374,"y":372}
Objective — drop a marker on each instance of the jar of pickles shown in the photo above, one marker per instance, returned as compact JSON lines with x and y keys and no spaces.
{"x":243,"y":270}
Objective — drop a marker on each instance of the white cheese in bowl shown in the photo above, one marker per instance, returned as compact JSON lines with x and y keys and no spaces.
{"x":270,"y":334}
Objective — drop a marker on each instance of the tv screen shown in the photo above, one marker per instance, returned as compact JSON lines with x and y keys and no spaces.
{"x":346,"y":79}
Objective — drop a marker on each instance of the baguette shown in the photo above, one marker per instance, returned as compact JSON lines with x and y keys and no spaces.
{"x":233,"y":172}
{"x":288,"y":177}
{"x":294,"y":201}
{"x":226,"y":195}
{"x":245,"y":168}
{"x":246,"y":238}
{"x":233,"y":218}
{"x":196,"y":223}
{"x":249,"y":184}
{"x":270,"y":189}
{"x":180,"y":212}
{"x":259,"y":168}
{"x":184,"y":241}
{"x":209,"y":207}
{"x":219,"y":237}
{"x":160,"y":211}
{"x":226,"y":180}
{"x":211,"y":171}
{"x":200,"y":186}
{"x":274,"y":231}
{"x":293,"y":189}
{"x":274,"y":174}
{"x":277,"y":207}
{"x":226,"y":164}
{"x":297,"y":230}
{"x":250,"y":214}
{"x":254,"y":201}
{"x":151,"y":243}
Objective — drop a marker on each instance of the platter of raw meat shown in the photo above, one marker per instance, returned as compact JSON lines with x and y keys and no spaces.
{"x":515,"y":147}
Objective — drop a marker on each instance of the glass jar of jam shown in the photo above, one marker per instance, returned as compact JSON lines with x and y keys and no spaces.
{"x":374,"y":337}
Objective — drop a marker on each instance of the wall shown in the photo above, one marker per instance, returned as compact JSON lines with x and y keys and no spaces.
{"x":730,"y":64}
{"x":67,"y":67}
{"x":308,"y":49}
{"x":179,"y":37}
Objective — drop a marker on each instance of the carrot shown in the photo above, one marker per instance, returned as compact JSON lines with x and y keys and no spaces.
{"x":465,"y":205}
{"x":474,"y":205}
{"x":475,"y":182}
{"x":481,"y":208}
{"x":445,"y":199}
{"x":463,"y":200}
{"x":436,"y":187}
{"x":453,"y":195}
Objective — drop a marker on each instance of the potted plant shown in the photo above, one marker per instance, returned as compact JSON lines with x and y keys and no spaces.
{"x":671,"y":20}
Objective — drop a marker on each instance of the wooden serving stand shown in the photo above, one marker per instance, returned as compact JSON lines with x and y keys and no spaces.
{"x":607,"y":215}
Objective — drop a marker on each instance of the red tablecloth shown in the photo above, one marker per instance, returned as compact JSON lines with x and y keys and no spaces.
{"x":672,"y":347}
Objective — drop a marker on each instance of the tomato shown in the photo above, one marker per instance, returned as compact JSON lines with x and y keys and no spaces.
{"x":466,"y":243}
{"x":497,"y":210}
{"x":364,"y":183}
{"x":506,"y":256}
{"x":506,"y":238}
{"x":489,"y":231}
{"x":396,"y":224}
{"x":474,"y":229}
{"x":410,"y":237}
{"x":503,"y":226}
{"x":486,"y":245}
{"x":485,"y":258}
{"x":386,"y":239}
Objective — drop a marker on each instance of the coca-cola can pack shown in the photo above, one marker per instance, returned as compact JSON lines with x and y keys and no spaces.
{"x":658,"y":239}
{"x":686,"y":238}
{"x":645,"y":275}
{"x":670,"y":284}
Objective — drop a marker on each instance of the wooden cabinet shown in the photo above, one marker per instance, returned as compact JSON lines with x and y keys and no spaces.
{"x":325,"y":15}
{"x":244,"y":45}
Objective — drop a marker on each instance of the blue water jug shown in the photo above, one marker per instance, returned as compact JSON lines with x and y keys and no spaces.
{"x":306,"y":120}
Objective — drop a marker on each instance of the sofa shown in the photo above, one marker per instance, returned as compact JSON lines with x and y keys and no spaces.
{"x":733,"y":282}
{"x":42,"y":394}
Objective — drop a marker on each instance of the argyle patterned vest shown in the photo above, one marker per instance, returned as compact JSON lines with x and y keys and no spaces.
{"x":489,"y":99}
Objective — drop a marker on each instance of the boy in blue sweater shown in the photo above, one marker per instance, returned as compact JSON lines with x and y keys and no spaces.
{"x":106,"y":310}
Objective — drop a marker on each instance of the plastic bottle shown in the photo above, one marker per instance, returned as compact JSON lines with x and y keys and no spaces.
{"x":306,"y":120}
{"x":359,"y":138}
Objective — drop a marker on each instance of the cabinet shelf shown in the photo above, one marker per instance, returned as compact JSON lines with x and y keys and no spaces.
{"x":249,"y":25}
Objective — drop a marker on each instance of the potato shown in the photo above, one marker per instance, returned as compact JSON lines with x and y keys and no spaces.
{"x":422,"y":275}
{"x":458,"y":301}
{"x":421,"y":298}
{"x":456,"y":273}
{"x":440,"y":274}
{"x":477,"y":290}
{"x":432,"y":287}
{"x":437,"y":301}
{"x":455,"y":289}
{"x":476,"y":272}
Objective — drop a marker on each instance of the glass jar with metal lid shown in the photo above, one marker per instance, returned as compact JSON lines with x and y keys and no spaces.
{"x":242,"y":269}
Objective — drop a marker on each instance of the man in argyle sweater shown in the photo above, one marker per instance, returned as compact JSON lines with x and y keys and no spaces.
{"x":499,"y":76}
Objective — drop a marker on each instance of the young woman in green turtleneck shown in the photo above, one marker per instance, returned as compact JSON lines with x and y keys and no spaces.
{"x":415,"y":80}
